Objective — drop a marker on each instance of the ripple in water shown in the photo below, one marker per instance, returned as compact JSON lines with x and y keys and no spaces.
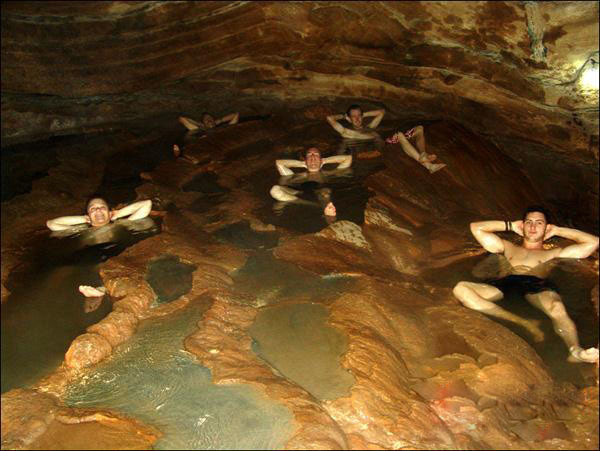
{"x":153,"y":379}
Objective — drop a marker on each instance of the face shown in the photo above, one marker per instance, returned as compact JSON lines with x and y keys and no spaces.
{"x":208,"y":121}
{"x":98,"y":212}
{"x":313,"y":159}
{"x":534,"y":226}
{"x":356,"y":118}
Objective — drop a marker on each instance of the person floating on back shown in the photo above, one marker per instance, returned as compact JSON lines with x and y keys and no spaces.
{"x":207,"y":122}
{"x":99,"y":214}
{"x":359,"y":131}
{"x":313,"y":164}
{"x":529,"y":274}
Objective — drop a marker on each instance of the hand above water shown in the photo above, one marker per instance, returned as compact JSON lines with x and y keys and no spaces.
{"x":89,"y":291}
{"x":550,"y":231}
{"x":517,"y":227}
{"x":330,"y":210}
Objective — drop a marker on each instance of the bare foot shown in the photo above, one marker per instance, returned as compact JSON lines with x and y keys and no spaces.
{"x":324,"y":193}
{"x":91,"y":292}
{"x":427,"y":157}
{"x":330,"y":209}
{"x":434,"y":167}
{"x":534,"y":329}
{"x":176,"y":150}
{"x":578,"y":354}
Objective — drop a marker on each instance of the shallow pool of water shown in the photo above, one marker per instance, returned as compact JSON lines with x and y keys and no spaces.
{"x":45,"y":311}
{"x":169,"y":277}
{"x":295,"y":340}
{"x":268,"y":280}
{"x":153,"y":379}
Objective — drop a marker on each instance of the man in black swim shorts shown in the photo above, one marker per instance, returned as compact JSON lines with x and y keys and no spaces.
{"x":529,"y":274}
{"x":314,"y":175}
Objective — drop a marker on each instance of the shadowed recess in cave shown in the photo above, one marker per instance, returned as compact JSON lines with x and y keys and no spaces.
{"x":152,"y":378}
{"x":267,"y":280}
{"x":169,"y":277}
{"x":23,"y":163}
{"x":297,"y":342}
{"x":45,"y":310}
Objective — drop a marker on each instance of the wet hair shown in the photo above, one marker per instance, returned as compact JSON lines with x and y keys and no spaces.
{"x":538,"y":209}
{"x":353,"y":107}
{"x":204,"y":116}
{"x":305,"y":151}
{"x":92,"y":198}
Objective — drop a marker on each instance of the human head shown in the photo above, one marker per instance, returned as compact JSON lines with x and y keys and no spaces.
{"x":354,"y":112}
{"x":98,"y":212}
{"x":535,"y":219}
{"x":208,"y":120}
{"x":313,"y":159}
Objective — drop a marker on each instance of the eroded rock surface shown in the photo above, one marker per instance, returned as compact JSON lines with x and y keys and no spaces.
{"x":426,"y":373}
{"x":33,"y":420}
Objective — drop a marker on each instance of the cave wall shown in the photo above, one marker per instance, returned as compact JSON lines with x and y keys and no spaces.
{"x":503,"y":69}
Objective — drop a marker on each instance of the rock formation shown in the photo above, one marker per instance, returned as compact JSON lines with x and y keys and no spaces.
{"x":495,"y":85}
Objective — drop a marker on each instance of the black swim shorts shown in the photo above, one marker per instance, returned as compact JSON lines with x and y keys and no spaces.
{"x":523,"y":284}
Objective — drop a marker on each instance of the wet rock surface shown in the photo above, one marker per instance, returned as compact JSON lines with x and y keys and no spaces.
{"x":33,"y":420}
{"x":424,"y":371}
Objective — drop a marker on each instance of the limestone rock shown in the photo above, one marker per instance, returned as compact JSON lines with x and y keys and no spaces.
{"x":86,"y":350}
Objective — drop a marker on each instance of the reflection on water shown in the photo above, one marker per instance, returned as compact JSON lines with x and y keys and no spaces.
{"x":575,"y":282}
{"x":268,"y":280}
{"x":294,"y":339}
{"x":154,"y":380}
{"x":43,"y":316}
{"x":240,"y":234}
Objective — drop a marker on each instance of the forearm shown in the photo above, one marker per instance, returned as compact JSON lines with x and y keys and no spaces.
{"x":283,"y":166}
{"x":576,"y":235}
{"x":344,"y":161}
{"x":65,"y":222}
{"x":373,"y":113}
{"x":137,"y":210}
{"x":230,"y":118}
{"x":489,"y":226}
{"x":335,"y":117}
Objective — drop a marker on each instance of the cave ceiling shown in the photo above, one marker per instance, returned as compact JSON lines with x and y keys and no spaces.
{"x":507,"y":70}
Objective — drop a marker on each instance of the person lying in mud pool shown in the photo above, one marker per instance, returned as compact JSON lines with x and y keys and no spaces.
{"x":359,"y":131}
{"x":314,"y":174}
{"x":99,"y":214}
{"x":529,"y":274}
{"x":207,"y":122}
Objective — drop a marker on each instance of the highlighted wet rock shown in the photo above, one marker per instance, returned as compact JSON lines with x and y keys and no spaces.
{"x":297,"y":342}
